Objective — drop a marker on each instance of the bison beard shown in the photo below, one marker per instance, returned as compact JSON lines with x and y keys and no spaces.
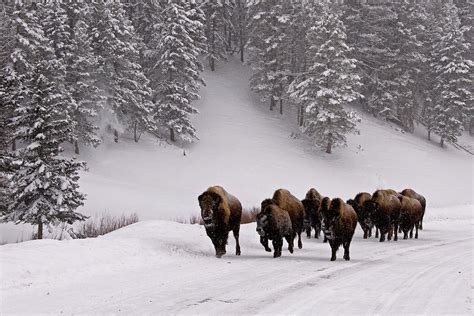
{"x":221,"y":213}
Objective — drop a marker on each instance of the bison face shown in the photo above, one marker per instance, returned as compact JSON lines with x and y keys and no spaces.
{"x":209,"y":203}
{"x":371,"y":208}
{"x":328,"y":226}
{"x":263,"y":222}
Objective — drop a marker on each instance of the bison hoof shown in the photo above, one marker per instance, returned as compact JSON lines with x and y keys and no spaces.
{"x":237,"y":253}
{"x":346,"y":257}
{"x":290,"y":250}
{"x":300,"y":245}
{"x":276,"y":255}
{"x":268,"y":249}
{"x":333,"y":258}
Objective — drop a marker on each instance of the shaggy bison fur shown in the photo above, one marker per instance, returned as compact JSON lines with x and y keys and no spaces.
{"x":221,"y":213}
{"x":359,"y":204}
{"x":411,"y":212}
{"x":274,"y":223}
{"x":287,"y":202}
{"x":312,"y":219}
{"x":340,"y":221}
{"x":414,"y":195}
{"x":384,"y":209}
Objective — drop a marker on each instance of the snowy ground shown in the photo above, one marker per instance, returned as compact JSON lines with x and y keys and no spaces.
{"x":165,"y":267}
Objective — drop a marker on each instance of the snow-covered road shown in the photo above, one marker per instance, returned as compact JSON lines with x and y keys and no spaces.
{"x":168,"y":268}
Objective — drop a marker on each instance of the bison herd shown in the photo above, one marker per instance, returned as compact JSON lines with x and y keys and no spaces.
{"x":284,"y":217}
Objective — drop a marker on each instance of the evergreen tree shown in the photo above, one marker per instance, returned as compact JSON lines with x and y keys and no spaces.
{"x":268,"y":47}
{"x":217,"y":17}
{"x":44,"y":187}
{"x":330,"y":82}
{"x":81,"y":77}
{"x":180,"y":70}
{"x":453,"y":77}
{"x":122,"y":78}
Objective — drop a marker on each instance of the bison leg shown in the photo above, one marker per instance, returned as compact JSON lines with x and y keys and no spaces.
{"x":416,"y":227}
{"x":300,"y":243}
{"x":308,"y":231}
{"x":264,"y":242}
{"x":346,"y":246}
{"x":277,"y":245}
{"x":370,"y":232}
{"x":365,"y":233}
{"x":405,"y":234}
{"x":334,"y":247}
{"x":317,"y":231}
{"x":237,"y":244}
{"x":411,"y":232}
{"x":219,"y":246}
{"x":396,"y":229}
{"x":376,"y":232}
{"x":290,"y":242}
{"x":382,"y":236}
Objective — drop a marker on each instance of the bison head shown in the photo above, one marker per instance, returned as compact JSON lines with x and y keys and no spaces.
{"x":263,"y":222}
{"x":331,"y":216}
{"x":209,"y":203}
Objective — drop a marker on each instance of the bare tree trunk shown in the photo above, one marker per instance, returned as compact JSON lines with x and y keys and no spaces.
{"x":13,"y":144}
{"x":272,"y":103}
{"x":429,"y":134}
{"x":40,"y":230}
{"x":241,"y":33}
{"x":281,"y":106}
{"x":116,"y":137}
{"x":76,"y":147}
{"x":172,"y":136}
{"x":301,"y":116}
{"x":471,"y":126}
{"x":328,"y":148}
{"x":135,"y":132}
{"x":441,"y":142}
{"x":212,"y":63}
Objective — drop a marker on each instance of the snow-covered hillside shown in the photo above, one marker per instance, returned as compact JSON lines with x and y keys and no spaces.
{"x":250,"y":152}
{"x":162,"y":267}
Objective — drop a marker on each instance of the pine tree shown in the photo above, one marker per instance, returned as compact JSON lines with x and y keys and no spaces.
{"x":371,"y":32}
{"x":81,"y":77}
{"x":240,"y":24}
{"x":123,"y":80}
{"x":180,"y":70}
{"x":411,"y":22}
{"x":217,"y":17}
{"x":268,"y":44}
{"x":453,"y":82}
{"x":330,"y":82}
{"x":44,"y":187}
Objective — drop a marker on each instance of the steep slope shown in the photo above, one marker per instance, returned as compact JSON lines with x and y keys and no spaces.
{"x":162,"y":267}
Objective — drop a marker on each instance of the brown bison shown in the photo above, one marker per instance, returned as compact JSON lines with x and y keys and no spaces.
{"x":359,"y":204}
{"x":312,"y":219}
{"x":384,"y":209}
{"x":411,"y":212}
{"x":221,"y":213}
{"x":340,"y":221}
{"x":286,"y":201}
{"x":274,"y":223}
{"x":412,"y":194}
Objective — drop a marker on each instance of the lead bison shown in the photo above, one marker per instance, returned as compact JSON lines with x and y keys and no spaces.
{"x":359,"y":204}
{"x":340,"y":221}
{"x":289,"y":203}
{"x":221,"y":213}
{"x":412,"y":194}
{"x":312,"y":219}
{"x":384,"y":209}
{"x":274,"y":223}
{"x":411,"y":212}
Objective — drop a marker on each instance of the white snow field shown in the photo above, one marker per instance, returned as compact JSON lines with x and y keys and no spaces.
{"x":163,"y":267}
